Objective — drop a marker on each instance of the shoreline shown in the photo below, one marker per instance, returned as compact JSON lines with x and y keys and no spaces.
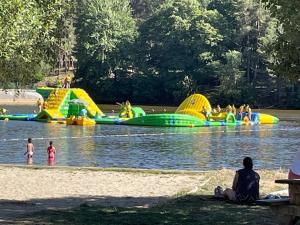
{"x":105,"y":169}
{"x":18,"y":97}
{"x":18,"y":102}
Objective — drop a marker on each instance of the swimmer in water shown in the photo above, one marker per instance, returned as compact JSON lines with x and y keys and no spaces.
{"x":29,"y":149}
{"x":51,"y":154}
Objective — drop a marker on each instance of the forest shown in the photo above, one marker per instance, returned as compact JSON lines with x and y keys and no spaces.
{"x":158,"y":51}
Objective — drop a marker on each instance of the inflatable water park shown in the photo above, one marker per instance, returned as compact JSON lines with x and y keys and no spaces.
{"x":73,"y":106}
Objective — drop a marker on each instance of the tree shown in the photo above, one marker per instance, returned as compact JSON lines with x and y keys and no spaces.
{"x":63,"y":48}
{"x":144,"y":9}
{"x":26,"y":36}
{"x":105,"y":30}
{"x":249,"y":29}
{"x":286,"y":52}
{"x":231,"y":77}
{"x":177,"y":45}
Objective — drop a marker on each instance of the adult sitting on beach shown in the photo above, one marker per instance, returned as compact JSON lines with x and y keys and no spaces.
{"x":294,"y":172}
{"x":245,"y":186}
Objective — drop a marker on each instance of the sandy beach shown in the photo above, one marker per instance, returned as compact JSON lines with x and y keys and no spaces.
{"x":33,"y":184}
{"x":31,"y":189}
{"x":18,"y":97}
{"x":26,"y":189}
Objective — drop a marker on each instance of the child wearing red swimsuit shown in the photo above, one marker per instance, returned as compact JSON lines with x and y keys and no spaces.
{"x":51,"y":153}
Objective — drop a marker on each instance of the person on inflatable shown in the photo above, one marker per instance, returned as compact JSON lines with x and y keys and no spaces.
{"x":229,"y":109}
{"x":206,"y":112}
{"x":128,"y":109}
{"x":219,"y":109}
{"x":245,"y":187}
{"x":246,"y":120}
{"x":241,"y":111}
{"x":45,"y":105}
{"x":233,"y":110}
{"x":249,"y":112}
{"x":83,"y":112}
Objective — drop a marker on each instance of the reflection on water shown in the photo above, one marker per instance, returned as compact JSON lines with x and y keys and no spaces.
{"x":152,"y":147}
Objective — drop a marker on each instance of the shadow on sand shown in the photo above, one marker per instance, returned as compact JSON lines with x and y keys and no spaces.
{"x":107,"y":210}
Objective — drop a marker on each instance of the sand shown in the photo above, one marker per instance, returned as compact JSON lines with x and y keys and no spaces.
{"x":24,"y":97}
{"x":31,"y":189}
{"x":26,"y":189}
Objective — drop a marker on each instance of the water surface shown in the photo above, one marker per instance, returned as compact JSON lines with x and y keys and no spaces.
{"x":271,"y":146}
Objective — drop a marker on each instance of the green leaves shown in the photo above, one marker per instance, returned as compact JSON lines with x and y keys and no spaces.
{"x":286,"y":50}
{"x":178,"y":44}
{"x":158,"y":48}
{"x":104,"y":28}
{"x":25,"y":37}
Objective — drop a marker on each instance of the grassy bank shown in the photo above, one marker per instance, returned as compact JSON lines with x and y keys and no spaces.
{"x":194,"y":206}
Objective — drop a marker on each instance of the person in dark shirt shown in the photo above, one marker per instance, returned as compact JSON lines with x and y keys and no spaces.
{"x":245,"y":186}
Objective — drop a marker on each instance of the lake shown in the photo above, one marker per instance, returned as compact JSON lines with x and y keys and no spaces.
{"x":204,"y":148}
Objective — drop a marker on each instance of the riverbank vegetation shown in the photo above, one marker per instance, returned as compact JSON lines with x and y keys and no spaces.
{"x":158,"y":51}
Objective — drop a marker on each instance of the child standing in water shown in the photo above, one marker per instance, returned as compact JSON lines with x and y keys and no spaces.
{"x":29,"y":148}
{"x":51,"y":154}
{"x":29,"y":151}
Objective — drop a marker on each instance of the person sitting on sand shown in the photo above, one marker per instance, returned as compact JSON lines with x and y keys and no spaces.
{"x":294,"y":172}
{"x":245,"y":186}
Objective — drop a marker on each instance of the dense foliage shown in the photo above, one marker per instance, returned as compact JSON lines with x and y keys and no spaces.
{"x":26,"y":38}
{"x":158,"y":51}
{"x":287,"y":47}
{"x":105,"y":31}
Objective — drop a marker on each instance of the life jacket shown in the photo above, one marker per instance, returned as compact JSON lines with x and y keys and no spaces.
{"x":246,"y":120}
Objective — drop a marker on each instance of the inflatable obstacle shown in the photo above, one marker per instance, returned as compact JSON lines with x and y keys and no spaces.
{"x":75,"y":107}
{"x":59,"y":101}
